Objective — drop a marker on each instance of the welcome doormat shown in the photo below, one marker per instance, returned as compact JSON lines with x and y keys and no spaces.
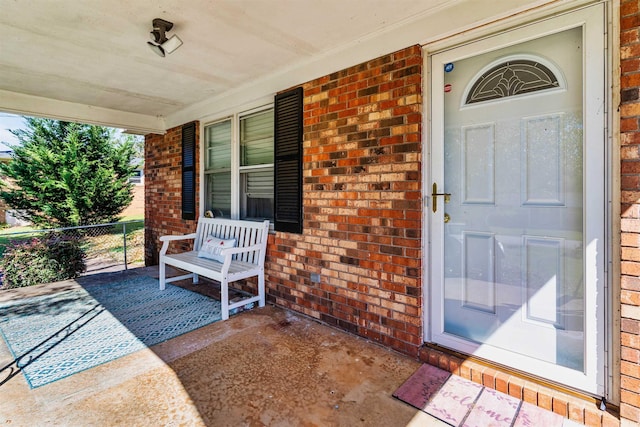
{"x":57,"y":335}
{"x":460,"y":402}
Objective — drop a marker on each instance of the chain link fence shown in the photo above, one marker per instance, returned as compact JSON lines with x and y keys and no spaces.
{"x":108,"y":247}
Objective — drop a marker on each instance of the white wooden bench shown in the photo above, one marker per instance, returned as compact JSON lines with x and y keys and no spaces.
{"x":244,"y":260}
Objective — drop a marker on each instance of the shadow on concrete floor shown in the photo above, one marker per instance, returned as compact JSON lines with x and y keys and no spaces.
{"x":265,"y":366}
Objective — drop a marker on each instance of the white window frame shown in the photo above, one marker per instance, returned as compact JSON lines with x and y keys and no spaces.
{"x":235,"y":158}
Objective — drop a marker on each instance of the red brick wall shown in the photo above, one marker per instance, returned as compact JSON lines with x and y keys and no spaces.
{"x":630,"y":222}
{"x":163,"y":190}
{"x":362,"y":204}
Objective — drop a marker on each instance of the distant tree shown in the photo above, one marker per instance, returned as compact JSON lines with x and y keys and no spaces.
{"x":67,"y":174}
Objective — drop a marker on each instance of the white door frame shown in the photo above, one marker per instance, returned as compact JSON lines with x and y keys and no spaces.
{"x":593,"y":22}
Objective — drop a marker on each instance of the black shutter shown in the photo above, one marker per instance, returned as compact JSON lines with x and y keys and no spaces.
{"x":288,"y":161}
{"x":189,"y":171}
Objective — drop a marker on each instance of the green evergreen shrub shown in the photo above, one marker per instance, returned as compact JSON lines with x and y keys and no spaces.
{"x":65,"y":174}
{"x":42,"y":260}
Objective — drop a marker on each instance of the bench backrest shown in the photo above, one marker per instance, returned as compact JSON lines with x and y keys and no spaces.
{"x":247,"y":233}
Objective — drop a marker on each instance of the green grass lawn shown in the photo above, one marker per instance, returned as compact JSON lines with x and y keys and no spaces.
{"x":134,"y":231}
{"x":7,"y":236}
{"x":11,"y":230}
{"x":132,"y":218}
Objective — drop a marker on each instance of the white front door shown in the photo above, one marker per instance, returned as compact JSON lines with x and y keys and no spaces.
{"x":517,"y":225}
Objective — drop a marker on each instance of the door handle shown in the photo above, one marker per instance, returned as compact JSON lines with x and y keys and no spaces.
{"x":434,"y":197}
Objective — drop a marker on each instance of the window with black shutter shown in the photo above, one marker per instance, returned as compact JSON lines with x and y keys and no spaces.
{"x":189,"y":171}
{"x":288,"y":161}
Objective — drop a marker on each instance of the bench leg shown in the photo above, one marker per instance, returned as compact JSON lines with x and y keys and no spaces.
{"x":162,"y":278}
{"x":196,"y":279}
{"x":224,"y":296}
{"x":261,"y":290}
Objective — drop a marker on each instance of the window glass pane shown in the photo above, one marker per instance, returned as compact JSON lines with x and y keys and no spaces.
{"x":219,"y":194}
{"x":256,"y":139}
{"x":257,"y":194}
{"x":218,"y":145}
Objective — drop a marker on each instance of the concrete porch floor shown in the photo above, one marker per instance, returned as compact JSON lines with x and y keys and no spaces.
{"x":266,"y":366}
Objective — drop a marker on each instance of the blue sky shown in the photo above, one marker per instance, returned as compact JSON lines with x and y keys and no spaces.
{"x":9,"y":121}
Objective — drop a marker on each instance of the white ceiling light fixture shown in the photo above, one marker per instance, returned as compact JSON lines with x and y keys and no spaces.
{"x":162,"y":45}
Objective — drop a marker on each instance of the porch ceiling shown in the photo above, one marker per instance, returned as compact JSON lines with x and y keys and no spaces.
{"x":89,"y":61}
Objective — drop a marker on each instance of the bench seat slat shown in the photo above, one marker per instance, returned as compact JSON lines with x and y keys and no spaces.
{"x":213,"y":269}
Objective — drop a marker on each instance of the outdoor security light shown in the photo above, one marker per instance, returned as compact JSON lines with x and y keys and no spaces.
{"x":160,"y":44}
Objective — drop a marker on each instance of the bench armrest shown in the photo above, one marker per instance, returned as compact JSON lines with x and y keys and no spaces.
{"x":233,"y":251}
{"x":229,"y":252}
{"x":167,"y":239}
{"x":178,"y":237}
